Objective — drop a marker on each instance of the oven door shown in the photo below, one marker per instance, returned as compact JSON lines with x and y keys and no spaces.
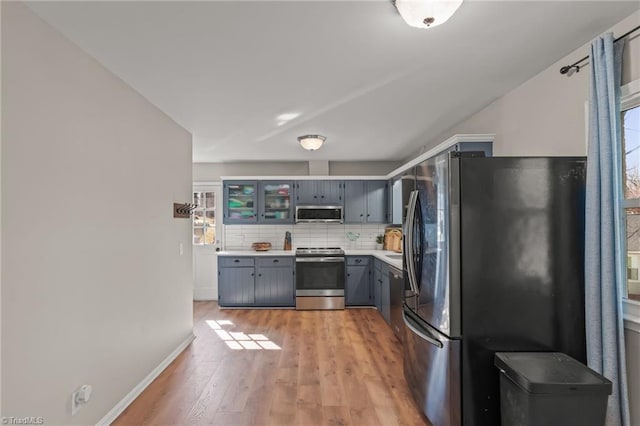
{"x":320,"y":276}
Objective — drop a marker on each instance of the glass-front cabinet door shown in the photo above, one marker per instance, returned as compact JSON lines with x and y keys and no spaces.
{"x":276,"y":202}
{"x":240,"y":202}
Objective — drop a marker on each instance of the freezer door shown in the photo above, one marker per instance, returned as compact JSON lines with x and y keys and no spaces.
{"x":432,"y":370}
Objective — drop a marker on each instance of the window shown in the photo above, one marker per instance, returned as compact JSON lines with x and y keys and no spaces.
{"x":204,"y":218}
{"x":630,"y":120}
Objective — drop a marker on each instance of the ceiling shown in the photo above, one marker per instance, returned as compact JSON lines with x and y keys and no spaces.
{"x":353,"y":71}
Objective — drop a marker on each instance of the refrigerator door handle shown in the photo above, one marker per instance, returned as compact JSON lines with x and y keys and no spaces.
{"x":411,"y":214}
{"x":409,"y":322}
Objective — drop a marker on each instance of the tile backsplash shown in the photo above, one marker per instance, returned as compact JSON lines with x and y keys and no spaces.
{"x":240,"y":237}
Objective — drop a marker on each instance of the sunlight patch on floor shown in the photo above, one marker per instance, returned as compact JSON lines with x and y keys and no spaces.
{"x":213,"y":324}
{"x":238,"y":340}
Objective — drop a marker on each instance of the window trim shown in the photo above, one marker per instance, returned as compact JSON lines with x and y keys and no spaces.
{"x":216,"y":188}
{"x":630,"y":98}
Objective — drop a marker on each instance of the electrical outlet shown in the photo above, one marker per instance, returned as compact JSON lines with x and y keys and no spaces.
{"x":80,"y":397}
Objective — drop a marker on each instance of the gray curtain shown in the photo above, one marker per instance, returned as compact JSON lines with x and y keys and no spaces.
{"x":605,"y":252}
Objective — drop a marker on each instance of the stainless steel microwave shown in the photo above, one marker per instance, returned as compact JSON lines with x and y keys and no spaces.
{"x":319,"y":214}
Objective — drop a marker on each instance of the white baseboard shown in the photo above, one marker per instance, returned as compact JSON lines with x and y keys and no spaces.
{"x":136,"y":391}
{"x":204,"y":293}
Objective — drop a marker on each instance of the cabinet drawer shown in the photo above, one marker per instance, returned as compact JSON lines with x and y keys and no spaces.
{"x":274,"y":261}
{"x":357,"y":260}
{"x":231,"y":261}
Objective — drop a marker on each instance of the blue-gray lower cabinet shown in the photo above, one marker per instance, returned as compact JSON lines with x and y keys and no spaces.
{"x":385,"y":293}
{"x":256,"y":281}
{"x":381,"y":289}
{"x":236,"y":286}
{"x":358,"y":289}
{"x":275,"y":285}
{"x":377,"y":284}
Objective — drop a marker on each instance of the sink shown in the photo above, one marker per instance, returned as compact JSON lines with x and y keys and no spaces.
{"x":394,"y":256}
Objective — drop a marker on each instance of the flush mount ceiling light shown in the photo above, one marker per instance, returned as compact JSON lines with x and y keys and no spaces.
{"x":426,"y":13}
{"x":311,"y":142}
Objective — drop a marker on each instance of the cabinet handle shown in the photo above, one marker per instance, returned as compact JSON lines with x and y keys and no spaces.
{"x":315,"y":196}
{"x":259,"y":275}
{"x":275,"y":260}
{"x":358,"y":260}
{"x":252,"y":274}
{"x":361,"y":215}
{"x":237,"y":260}
{"x":348,"y":275}
{"x":322,"y":196}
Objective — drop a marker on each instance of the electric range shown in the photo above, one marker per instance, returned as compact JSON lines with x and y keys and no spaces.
{"x":320,"y":278}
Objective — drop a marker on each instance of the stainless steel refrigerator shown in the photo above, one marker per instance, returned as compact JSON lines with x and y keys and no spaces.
{"x":494,"y":258}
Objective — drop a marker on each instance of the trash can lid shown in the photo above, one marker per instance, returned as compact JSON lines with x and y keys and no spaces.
{"x":550,"y":373}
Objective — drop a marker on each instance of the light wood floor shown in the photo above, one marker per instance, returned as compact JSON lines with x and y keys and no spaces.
{"x":314,"y":368}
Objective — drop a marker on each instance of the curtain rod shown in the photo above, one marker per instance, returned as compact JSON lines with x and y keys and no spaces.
{"x":567,"y":68}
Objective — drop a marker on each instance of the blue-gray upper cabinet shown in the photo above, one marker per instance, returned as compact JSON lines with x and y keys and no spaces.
{"x":275,"y":202}
{"x":240,"y":200}
{"x":355,"y":201}
{"x":366,"y":201}
{"x":249,"y":202}
{"x":358,"y":290}
{"x":274,"y":281}
{"x":236,"y":281}
{"x":320,"y":192}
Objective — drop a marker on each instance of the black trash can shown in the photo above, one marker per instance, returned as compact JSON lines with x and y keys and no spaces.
{"x":550,"y":389}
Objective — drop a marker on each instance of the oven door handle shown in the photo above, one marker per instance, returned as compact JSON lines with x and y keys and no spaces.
{"x":320,"y":259}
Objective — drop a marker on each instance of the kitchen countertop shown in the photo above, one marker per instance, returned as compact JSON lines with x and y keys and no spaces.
{"x":257,"y":253}
{"x":378,"y":254}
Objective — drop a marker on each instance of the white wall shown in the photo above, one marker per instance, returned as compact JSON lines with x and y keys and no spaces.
{"x":94,"y":290}
{"x":211,"y":172}
{"x":362,"y":168}
{"x":546,"y":114}
{"x":0,"y":223}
